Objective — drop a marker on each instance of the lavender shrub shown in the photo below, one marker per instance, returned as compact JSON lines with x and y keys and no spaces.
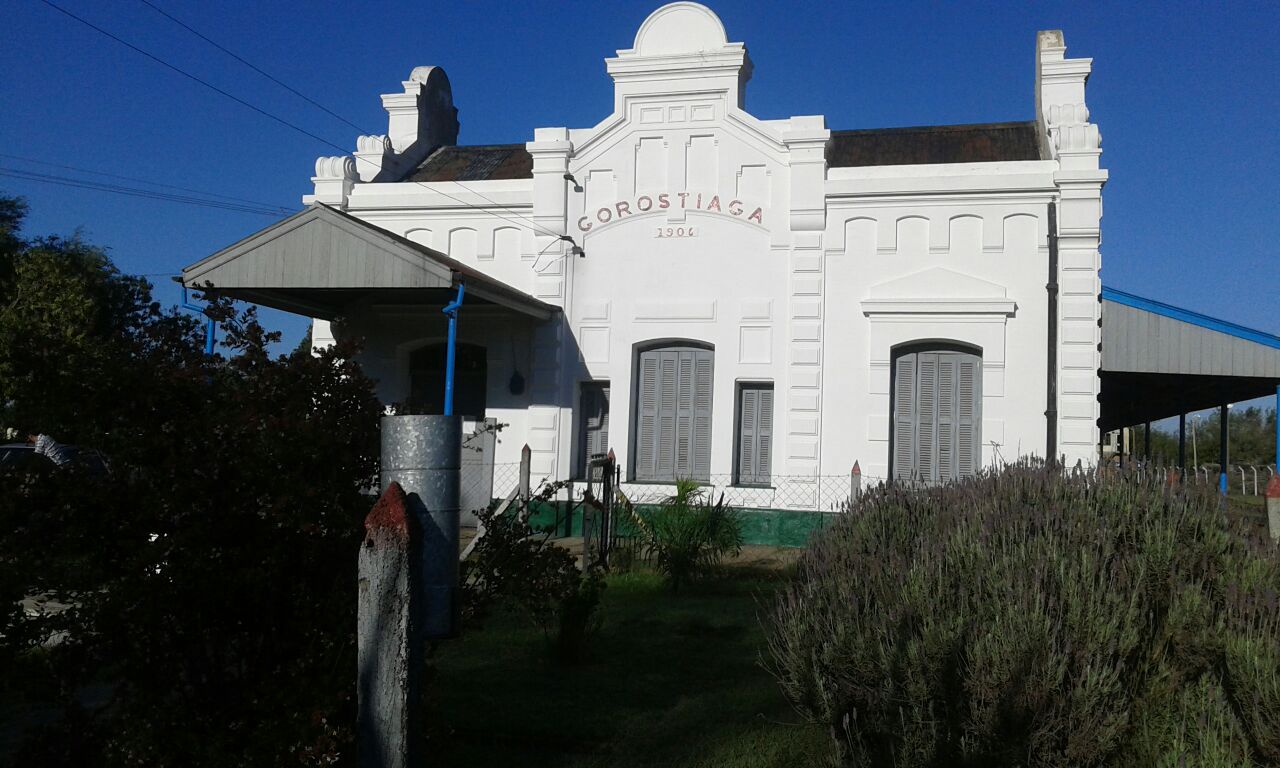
{"x":1031,"y":618}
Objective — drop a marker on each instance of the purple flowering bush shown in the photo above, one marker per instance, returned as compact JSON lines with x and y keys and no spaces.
{"x":1030,"y":617}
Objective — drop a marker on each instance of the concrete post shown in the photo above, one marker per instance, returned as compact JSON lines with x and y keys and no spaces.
{"x":389,"y":656}
{"x":525,"y":460}
{"x":855,"y":483}
{"x":1273,"y":507}
{"x":423,"y":454}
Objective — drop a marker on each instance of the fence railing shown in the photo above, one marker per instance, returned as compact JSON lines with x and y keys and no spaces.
{"x":1245,"y":479}
{"x":815,"y":493}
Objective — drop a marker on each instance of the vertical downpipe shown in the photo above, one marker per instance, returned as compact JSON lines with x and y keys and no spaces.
{"x":451,"y":309}
{"x":1051,"y":389}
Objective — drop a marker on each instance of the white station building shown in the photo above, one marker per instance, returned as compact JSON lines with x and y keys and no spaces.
{"x":755,"y":304}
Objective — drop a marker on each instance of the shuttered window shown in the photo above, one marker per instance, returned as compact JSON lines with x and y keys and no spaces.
{"x":936,"y":430}
{"x":755,"y":434}
{"x":673,"y":414}
{"x":593,"y":423}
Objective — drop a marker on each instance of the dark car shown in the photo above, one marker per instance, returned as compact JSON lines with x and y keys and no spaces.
{"x":18,"y":455}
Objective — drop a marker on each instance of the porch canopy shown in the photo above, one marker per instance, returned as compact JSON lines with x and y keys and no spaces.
{"x":321,"y":260}
{"x":1160,"y":361}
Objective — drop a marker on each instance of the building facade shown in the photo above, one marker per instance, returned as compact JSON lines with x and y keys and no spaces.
{"x":756,"y":304}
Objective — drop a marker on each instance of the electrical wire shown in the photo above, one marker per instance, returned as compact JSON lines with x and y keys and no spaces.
{"x":532,"y":224}
{"x":66,"y":181}
{"x":241,"y":59}
{"x":187,"y":74}
{"x":144,"y":181}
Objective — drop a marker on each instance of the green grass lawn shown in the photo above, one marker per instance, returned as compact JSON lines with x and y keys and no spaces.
{"x":671,"y":680}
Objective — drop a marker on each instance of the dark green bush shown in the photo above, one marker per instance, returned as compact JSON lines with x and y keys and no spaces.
{"x":687,"y":534}
{"x":515,"y":566}
{"x":1025,"y":618}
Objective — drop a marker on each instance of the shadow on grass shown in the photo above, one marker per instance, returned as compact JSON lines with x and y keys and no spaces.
{"x":670,"y":680}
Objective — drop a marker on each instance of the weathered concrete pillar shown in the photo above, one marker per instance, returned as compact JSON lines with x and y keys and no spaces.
{"x":1273,"y":507}
{"x":526,"y":463}
{"x":855,"y":483}
{"x":423,"y":454}
{"x":388,"y":652}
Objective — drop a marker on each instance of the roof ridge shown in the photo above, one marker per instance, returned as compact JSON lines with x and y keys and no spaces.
{"x":1005,"y":125}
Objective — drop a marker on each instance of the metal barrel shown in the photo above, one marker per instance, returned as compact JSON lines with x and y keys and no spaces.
{"x":423,"y":454}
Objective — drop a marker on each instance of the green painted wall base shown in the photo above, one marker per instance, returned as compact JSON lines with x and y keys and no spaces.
{"x":769,"y":527}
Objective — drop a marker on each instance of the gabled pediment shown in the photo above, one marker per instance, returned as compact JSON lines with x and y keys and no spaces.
{"x":938,"y":290}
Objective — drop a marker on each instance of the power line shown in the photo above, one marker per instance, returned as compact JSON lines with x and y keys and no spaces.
{"x":240,"y":59}
{"x":303,"y":131}
{"x":142,"y":181}
{"x":136,"y":192}
{"x":187,"y":74}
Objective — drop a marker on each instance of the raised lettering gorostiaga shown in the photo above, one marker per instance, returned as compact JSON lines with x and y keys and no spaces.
{"x":693,"y":201}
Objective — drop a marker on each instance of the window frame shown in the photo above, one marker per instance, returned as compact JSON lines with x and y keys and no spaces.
{"x":639,"y":351}
{"x":582,"y":457}
{"x":740,"y":388}
{"x":920,"y":347}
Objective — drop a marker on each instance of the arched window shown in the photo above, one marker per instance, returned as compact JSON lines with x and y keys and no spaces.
{"x":672,"y":419}
{"x":936,"y":430}
{"x":470,"y":380}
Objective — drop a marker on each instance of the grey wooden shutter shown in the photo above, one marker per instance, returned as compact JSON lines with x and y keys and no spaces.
{"x":948,"y":466}
{"x":668,"y":396}
{"x":764,"y":438}
{"x":673,"y":437}
{"x":926,"y":446}
{"x":703,"y":365}
{"x":904,"y":418}
{"x":755,"y":433}
{"x":969,"y":415}
{"x":647,"y":416}
{"x":684,"y":413}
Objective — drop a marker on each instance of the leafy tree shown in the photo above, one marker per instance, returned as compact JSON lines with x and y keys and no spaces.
{"x":76,"y":334}
{"x":1251,"y":431}
{"x":210,"y":574}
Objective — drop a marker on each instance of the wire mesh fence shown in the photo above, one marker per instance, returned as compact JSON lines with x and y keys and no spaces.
{"x":819,"y":493}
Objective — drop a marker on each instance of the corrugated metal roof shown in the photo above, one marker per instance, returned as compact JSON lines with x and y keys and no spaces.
{"x":1159,"y":360}
{"x":321,"y":259}
{"x":927,"y":145}
{"x":478,"y":163}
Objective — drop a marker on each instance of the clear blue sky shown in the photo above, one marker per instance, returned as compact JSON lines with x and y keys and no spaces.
{"x":1185,"y":94}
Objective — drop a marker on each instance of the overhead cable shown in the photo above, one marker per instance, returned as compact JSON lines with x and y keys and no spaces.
{"x":151,"y":194}
{"x":532,"y":224}
{"x":282,"y":208}
{"x":242,"y":60}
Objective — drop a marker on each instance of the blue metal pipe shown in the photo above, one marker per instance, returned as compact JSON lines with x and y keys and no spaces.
{"x":451,"y":309}
{"x":1224,"y":454}
{"x":210,"y":328}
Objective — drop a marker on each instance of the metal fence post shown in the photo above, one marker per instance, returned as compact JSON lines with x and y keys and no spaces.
{"x":1273,"y":507}
{"x":423,"y":454}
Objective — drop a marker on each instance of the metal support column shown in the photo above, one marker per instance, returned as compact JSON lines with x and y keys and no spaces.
{"x":424,"y":455}
{"x":1182,"y":446}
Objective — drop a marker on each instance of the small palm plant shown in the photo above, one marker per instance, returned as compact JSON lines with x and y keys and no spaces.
{"x":686,"y":535}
